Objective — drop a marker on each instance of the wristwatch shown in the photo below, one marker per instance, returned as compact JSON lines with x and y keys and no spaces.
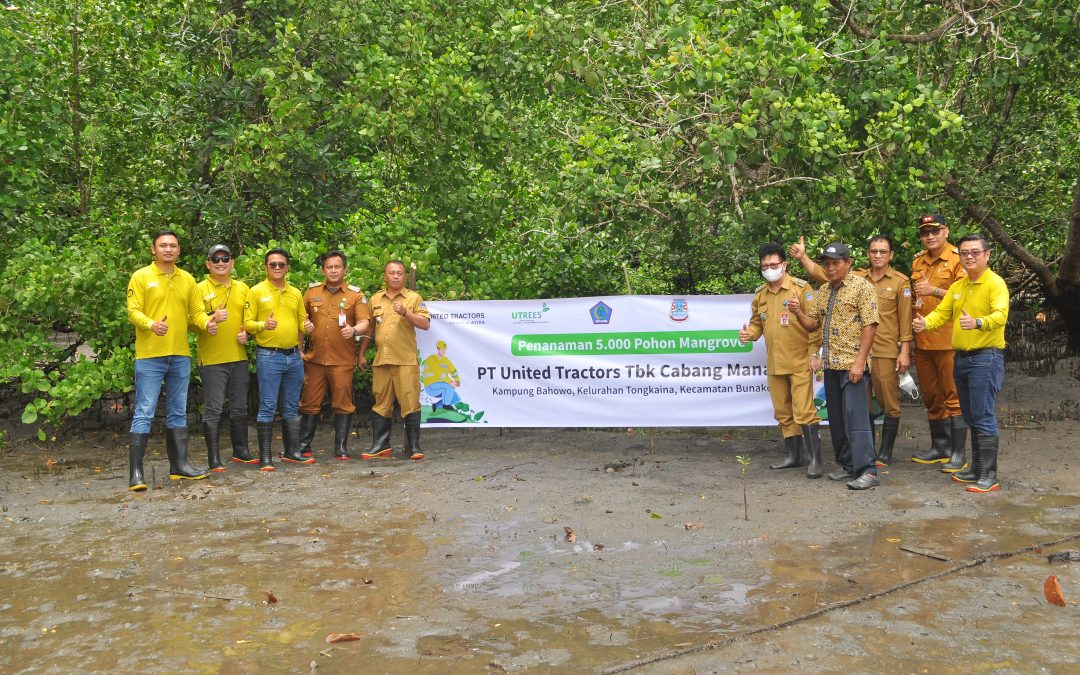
{"x":978,"y":324}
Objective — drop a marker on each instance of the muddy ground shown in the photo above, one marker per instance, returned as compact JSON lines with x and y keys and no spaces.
{"x":461,"y":563}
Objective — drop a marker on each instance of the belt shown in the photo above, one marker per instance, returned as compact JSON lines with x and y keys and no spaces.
{"x":281,"y":350}
{"x":976,"y":352}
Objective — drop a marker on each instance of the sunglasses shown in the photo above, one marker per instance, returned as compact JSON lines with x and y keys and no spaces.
{"x":930,"y":232}
{"x":217,"y":260}
{"x":277,"y":265}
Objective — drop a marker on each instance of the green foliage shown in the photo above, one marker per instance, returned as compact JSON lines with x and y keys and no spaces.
{"x":507,"y":149}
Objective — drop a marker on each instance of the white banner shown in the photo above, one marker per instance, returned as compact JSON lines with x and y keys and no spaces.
{"x":634,"y":361}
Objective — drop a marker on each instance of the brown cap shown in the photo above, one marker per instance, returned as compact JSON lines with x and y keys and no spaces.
{"x":931,"y":220}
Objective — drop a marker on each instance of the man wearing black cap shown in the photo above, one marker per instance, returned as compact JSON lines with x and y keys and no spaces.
{"x":845,"y":309}
{"x":933,"y":271}
{"x":223,"y":360}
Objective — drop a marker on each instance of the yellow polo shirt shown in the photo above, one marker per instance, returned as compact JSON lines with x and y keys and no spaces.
{"x":986,"y":299}
{"x":153,"y":295}
{"x":223,"y":347}
{"x":287,"y":306}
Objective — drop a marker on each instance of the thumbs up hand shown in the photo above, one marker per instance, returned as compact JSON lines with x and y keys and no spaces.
{"x":744,"y":334}
{"x":967,"y":322}
{"x":221,"y":315}
{"x":793,"y":304}
{"x":918,"y":324}
{"x":270,"y":323}
{"x":797,"y":250}
{"x":160,"y":328}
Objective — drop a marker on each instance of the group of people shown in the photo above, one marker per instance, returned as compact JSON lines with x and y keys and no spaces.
{"x":948,"y":320}
{"x":306,"y":344}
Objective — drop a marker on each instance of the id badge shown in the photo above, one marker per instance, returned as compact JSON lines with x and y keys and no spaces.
{"x":783,"y":318}
{"x":341,"y":319}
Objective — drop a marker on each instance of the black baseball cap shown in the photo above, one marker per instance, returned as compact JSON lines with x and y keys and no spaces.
{"x":218,"y":248}
{"x":836,"y":251}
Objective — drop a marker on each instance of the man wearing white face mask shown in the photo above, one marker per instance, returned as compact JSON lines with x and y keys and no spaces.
{"x":788,"y":349}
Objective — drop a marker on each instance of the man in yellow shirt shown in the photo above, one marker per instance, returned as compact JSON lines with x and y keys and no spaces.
{"x":223,"y":360}
{"x":396,"y":313}
{"x":160,"y":304}
{"x":275,"y":315}
{"x":978,"y":309}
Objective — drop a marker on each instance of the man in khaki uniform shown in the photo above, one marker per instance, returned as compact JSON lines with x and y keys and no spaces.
{"x":887,"y":360}
{"x":788,"y":348}
{"x":339,"y":314}
{"x":932,"y":272}
{"x":396,"y":313}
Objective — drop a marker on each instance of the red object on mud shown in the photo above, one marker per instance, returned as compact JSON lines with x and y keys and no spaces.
{"x":1052,"y":590}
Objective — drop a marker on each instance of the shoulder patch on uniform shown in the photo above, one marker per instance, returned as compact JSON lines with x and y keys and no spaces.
{"x":314,"y":284}
{"x":354,"y":289}
{"x":798,"y":282}
{"x":907,"y":292}
{"x":956,"y":251}
{"x":760,"y":287}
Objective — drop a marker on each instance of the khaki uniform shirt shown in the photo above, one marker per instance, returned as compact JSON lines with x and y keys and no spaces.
{"x":287,"y":306}
{"x":942,"y":272}
{"x":894,"y":301}
{"x":153,"y":295}
{"x":787,"y":344}
{"x":223,"y":347}
{"x":854,"y":308}
{"x":394,"y":335}
{"x":330,"y":311}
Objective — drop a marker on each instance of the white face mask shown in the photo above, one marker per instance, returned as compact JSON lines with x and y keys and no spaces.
{"x":772,"y":275}
{"x":907,"y":383}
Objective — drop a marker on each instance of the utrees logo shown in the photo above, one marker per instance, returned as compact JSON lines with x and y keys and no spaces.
{"x":534,"y":316}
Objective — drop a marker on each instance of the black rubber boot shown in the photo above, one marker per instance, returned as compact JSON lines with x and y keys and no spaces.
{"x":940,"y":448}
{"x":238,"y":434}
{"x":342,"y":424}
{"x":213,"y":451}
{"x":308,"y":423}
{"x":794,"y":447}
{"x":958,"y":440}
{"x":380,"y":437}
{"x":290,"y":437}
{"x":812,"y":441}
{"x":889,"y":428}
{"x":412,"y":436}
{"x":986,"y":466}
{"x":265,"y":430}
{"x":969,"y":475}
{"x":136,"y":452}
{"x":176,"y":444}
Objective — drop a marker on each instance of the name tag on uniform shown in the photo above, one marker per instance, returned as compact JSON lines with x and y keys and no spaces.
{"x":265,"y":298}
{"x":152,"y":284}
{"x":783,"y":318}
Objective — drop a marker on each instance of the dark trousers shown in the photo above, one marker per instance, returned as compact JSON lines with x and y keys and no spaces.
{"x":221,"y":380}
{"x":849,"y":422}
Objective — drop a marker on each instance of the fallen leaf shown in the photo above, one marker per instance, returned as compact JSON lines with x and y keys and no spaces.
{"x":342,"y":637}
{"x":694,"y":526}
{"x":1052,"y":590}
{"x":570,"y":536}
{"x":598,"y":547}
{"x":656,"y":515}
{"x":366,"y":581}
{"x":270,"y":597}
{"x":893,"y":540}
{"x":243,"y":642}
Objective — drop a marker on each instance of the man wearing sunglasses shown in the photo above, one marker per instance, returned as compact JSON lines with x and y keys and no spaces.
{"x":933,"y":271}
{"x":275,"y":315}
{"x":223,"y":360}
{"x":161,"y":304}
{"x":978,"y":309}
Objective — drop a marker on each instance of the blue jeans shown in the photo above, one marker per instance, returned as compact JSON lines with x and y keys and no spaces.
{"x":280,"y":376}
{"x":978,"y":380}
{"x":849,"y":422}
{"x":150,"y":374}
{"x":445,"y":392}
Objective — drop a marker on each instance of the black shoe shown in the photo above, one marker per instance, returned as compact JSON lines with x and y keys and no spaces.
{"x":841,"y":474}
{"x":986,"y":466}
{"x":412,"y":436}
{"x":940,"y":446}
{"x":889,"y":428}
{"x":213,"y":452}
{"x":290,"y":437}
{"x":308,"y":423}
{"x":176,"y":445}
{"x":380,"y":437}
{"x":342,"y":424}
{"x":265,"y":430}
{"x":136,"y":452}
{"x":794,"y":447}
{"x":812,"y":440}
{"x":958,"y":441}
{"x":864,"y":482}
{"x":238,"y":434}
